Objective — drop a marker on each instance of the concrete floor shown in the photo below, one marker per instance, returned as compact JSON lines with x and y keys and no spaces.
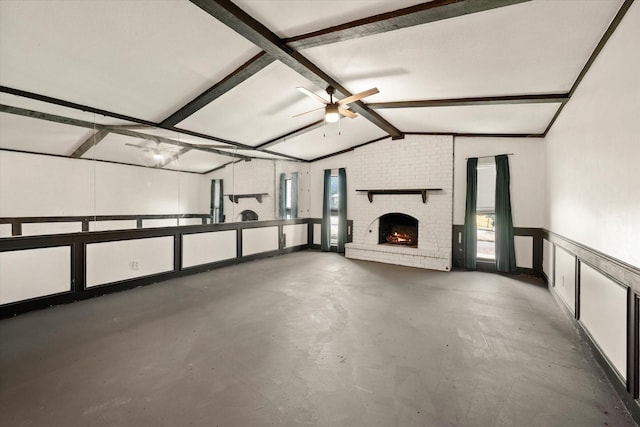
{"x":306,"y":339}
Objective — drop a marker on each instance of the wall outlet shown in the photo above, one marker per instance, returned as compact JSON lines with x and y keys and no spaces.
{"x":135,"y":264}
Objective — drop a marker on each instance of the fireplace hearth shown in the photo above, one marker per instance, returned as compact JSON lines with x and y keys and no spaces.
{"x":398,"y":229}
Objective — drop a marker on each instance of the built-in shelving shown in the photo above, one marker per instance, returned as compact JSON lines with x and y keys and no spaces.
{"x":235,"y":197}
{"x":422,"y":191}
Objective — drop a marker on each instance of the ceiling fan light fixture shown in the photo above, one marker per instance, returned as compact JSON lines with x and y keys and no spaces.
{"x":158,"y":156}
{"x":331,"y":114}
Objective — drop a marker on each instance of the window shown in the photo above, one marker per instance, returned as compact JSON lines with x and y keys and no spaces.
{"x":287,"y":198}
{"x":334,"y":204}
{"x":485,"y":209}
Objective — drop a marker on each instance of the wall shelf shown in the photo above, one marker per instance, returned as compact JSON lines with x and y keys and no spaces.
{"x":422,"y":191}
{"x":258,"y":196}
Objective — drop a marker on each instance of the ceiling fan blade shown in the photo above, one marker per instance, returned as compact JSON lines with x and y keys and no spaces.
{"x":358,"y":96}
{"x":141,"y":147}
{"x":312,"y":95}
{"x":307,"y":112}
{"x":347,"y":113}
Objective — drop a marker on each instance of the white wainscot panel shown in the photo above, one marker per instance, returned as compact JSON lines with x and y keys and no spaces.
{"x":296,"y":234}
{"x":547,"y":259}
{"x":565,"y":277}
{"x":115,"y":261}
{"x":190,"y":221}
{"x":37,"y":228}
{"x":203,"y":248}
{"x":5,"y":230}
{"x":524,"y":251}
{"x":256,"y":240}
{"x":317,"y":234}
{"x":603,"y":308}
{"x":34,"y":273}
{"x":112,"y":225}
{"x":168,"y":222}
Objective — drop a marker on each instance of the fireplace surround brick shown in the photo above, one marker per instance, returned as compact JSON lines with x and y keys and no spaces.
{"x":418,"y":161}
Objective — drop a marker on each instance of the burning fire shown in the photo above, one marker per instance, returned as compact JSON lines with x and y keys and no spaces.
{"x":400,"y":238}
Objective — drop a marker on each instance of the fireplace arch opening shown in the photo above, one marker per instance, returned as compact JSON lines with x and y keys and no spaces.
{"x":398,"y":229}
{"x":248,"y":215}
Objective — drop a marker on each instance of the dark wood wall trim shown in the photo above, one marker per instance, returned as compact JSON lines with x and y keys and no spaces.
{"x":457,"y":247}
{"x":625,"y":274}
{"x":78,"y":242}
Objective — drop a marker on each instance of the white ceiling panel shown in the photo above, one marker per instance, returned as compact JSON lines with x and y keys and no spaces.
{"x":515,"y":118}
{"x":141,"y":58}
{"x":533,"y":47}
{"x":259,"y":109}
{"x":289,"y":18}
{"x":39,"y":136}
{"x":329,"y":139}
{"x":198,"y":161}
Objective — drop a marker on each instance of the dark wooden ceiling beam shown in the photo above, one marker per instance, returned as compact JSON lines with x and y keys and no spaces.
{"x":245,"y":25}
{"x":173,"y":157}
{"x":484,"y":100}
{"x":92,"y":141}
{"x":603,"y":41}
{"x":292,"y":134}
{"x":246,"y":70}
{"x":423,"y":13}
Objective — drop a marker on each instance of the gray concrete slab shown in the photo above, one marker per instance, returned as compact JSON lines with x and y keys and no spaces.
{"x":306,"y":339}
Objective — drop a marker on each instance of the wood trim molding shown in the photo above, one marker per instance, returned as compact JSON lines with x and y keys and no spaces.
{"x":246,"y":70}
{"x":625,"y":274}
{"x":238,"y":20}
{"x":403,"y":18}
{"x":603,"y":41}
{"x":465,"y":102}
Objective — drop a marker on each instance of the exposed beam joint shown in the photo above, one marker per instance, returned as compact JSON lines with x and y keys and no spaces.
{"x":248,"y":69}
{"x":410,"y":16}
{"x":92,"y":141}
{"x":485,"y":100}
{"x":245,"y":25}
{"x":173,"y":157}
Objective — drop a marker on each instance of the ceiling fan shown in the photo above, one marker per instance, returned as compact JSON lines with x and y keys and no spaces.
{"x":157,"y":152}
{"x":334,"y":109}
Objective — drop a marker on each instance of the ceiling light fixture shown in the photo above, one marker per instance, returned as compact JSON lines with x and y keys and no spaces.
{"x":158,"y":156}
{"x":331,"y":114}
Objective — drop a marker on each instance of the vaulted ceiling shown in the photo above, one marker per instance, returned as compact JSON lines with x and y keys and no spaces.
{"x":207,"y":82}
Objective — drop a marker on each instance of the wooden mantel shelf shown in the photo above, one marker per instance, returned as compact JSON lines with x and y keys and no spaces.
{"x":422,"y":191}
{"x":258,"y":196}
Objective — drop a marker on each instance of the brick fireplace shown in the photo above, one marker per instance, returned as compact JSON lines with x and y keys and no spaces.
{"x":414,"y":201}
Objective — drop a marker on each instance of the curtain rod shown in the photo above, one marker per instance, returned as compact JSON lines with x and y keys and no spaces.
{"x":484,"y":157}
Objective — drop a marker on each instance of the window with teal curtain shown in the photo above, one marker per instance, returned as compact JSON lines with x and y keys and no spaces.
{"x":505,"y":248}
{"x":217,"y":201}
{"x":470,"y":224}
{"x":288,"y":196}
{"x":325,"y":240}
{"x":281,"y":194}
{"x":342,"y":209}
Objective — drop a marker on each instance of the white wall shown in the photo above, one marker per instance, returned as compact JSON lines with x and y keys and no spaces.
{"x":37,"y":185}
{"x":115,"y":261}
{"x":593,"y":152}
{"x":526,"y":169}
{"x":602,"y":311}
{"x":203,"y":248}
{"x":565,"y":277}
{"x":49,"y":273}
